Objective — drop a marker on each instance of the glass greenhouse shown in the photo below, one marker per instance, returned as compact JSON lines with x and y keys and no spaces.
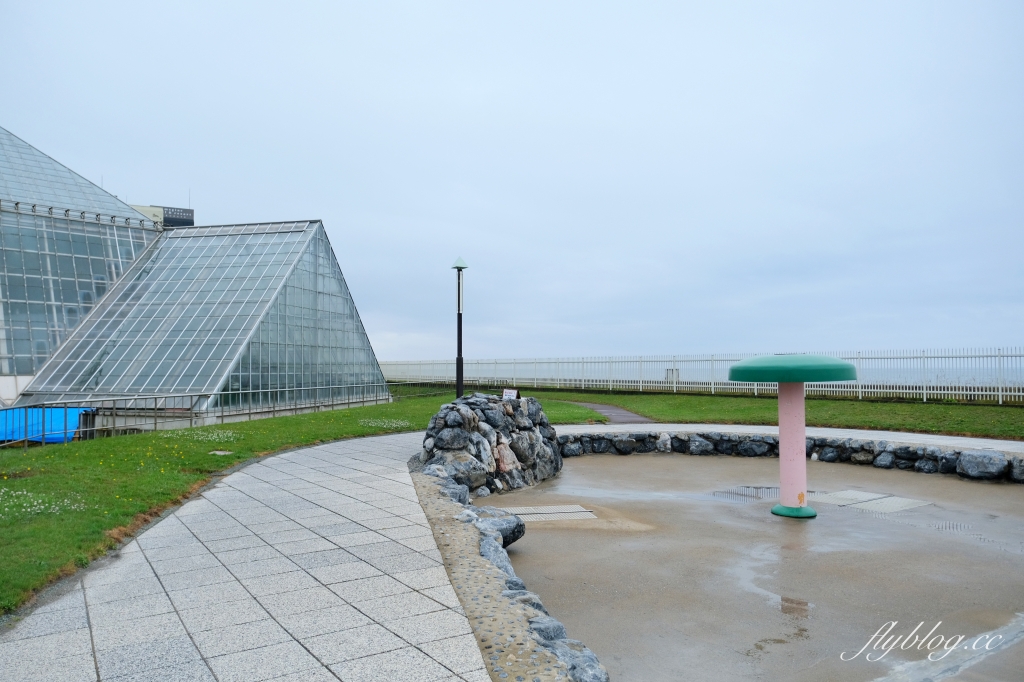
{"x":237,"y":315}
{"x":128,"y":323}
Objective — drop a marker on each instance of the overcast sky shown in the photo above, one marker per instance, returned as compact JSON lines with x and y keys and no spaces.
{"x":627,"y":178}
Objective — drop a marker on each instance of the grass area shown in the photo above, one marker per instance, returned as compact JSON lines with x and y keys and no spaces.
{"x":988,"y":421}
{"x":63,"y":505}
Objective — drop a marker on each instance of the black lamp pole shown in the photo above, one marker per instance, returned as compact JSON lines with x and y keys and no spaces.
{"x":459,"y":266}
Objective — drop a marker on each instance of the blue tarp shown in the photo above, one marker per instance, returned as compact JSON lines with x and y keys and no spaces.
{"x":12,"y":423}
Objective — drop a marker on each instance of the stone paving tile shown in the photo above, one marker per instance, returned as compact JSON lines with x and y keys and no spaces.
{"x":304,"y":547}
{"x":124,"y":568}
{"x":369,"y":588}
{"x":357,"y":642}
{"x":402,"y":665}
{"x":196,"y":578}
{"x":48,"y":623}
{"x":273,"y":527}
{"x":420,"y":544}
{"x":244,"y":556}
{"x":265,"y":521}
{"x":324,"y":549}
{"x":278,"y":583}
{"x":150,"y":541}
{"x":335,"y":525}
{"x":133,"y":659}
{"x":178,"y":550}
{"x":192,"y":520}
{"x":309,"y":675}
{"x":280,"y":564}
{"x":222,"y":533}
{"x":225,"y":614}
{"x":188,"y":672}
{"x":423,"y":578}
{"x":79,"y":668}
{"x":397,"y":606}
{"x":339,"y":573}
{"x":356,"y":539}
{"x":240,"y":542}
{"x":198,"y":528}
{"x":406,"y":532}
{"x":60,"y":644}
{"x":478,"y":675}
{"x":193,"y":597}
{"x":123,"y":590}
{"x":403,"y":563}
{"x":379,"y":549}
{"x":444,"y":594}
{"x":264,"y":663}
{"x":459,"y":654}
{"x":242,"y":637}
{"x":189,"y":563}
{"x":129,"y":609}
{"x":138,"y":631}
{"x":428,"y":627}
{"x":322,"y":621}
{"x":72,"y":599}
{"x":310,"y":599}
{"x":283,"y":536}
{"x":327,"y":558}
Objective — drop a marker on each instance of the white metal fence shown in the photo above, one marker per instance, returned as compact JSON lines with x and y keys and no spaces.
{"x":989,"y":374}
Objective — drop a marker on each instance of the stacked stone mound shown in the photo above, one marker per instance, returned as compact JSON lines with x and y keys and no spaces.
{"x":925,"y":459}
{"x":482,"y":441}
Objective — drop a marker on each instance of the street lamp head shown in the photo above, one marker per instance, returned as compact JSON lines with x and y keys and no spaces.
{"x":460,"y":264}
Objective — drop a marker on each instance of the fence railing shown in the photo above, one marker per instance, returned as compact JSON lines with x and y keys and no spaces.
{"x":66,"y":420}
{"x":990,"y":375}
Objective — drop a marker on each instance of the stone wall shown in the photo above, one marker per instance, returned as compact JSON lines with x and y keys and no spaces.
{"x":492,"y":445}
{"x":926,"y":459}
{"x":515,"y":632}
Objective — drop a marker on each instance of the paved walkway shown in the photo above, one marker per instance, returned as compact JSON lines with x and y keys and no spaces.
{"x":952,"y":442}
{"x":617,"y":415}
{"x":314,"y":565}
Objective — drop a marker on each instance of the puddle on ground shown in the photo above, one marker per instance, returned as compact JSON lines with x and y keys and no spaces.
{"x":795,"y":607}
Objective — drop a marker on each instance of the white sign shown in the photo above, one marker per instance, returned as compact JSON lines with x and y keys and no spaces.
{"x":510,"y":394}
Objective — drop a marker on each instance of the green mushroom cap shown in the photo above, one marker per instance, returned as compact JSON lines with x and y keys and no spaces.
{"x":792,"y":368}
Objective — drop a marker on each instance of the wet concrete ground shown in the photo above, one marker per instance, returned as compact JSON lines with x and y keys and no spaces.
{"x":672,"y":582}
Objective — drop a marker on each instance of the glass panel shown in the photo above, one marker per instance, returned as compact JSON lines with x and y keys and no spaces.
{"x":179,"y":319}
{"x":29,"y":176}
{"x":311,"y":337}
{"x":44,"y":266}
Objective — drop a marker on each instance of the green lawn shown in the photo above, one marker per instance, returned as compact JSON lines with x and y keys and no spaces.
{"x":63,"y":505}
{"x":988,"y":421}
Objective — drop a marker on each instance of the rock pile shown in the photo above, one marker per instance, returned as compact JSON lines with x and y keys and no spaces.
{"x":482,"y":441}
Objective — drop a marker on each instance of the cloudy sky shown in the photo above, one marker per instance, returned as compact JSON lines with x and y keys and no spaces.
{"x":622,"y":178}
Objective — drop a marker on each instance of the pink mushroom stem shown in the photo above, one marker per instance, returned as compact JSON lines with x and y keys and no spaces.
{"x":792,"y":445}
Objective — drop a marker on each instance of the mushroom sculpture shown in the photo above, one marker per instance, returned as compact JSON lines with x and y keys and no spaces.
{"x":791,"y":372}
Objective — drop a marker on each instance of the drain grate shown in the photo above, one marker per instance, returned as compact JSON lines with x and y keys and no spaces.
{"x":952,"y":527}
{"x":888,"y":505}
{"x":563,"y":512}
{"x":558,"y":516}
{"x":844,"y":497}
{"x":748,"y":493}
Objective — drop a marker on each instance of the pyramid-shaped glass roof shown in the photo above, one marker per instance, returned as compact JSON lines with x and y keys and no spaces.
{"x":252,"y":310}
{"x":31,"y":177}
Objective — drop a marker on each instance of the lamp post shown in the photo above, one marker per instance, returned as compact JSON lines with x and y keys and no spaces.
{"x":459,"y":266}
